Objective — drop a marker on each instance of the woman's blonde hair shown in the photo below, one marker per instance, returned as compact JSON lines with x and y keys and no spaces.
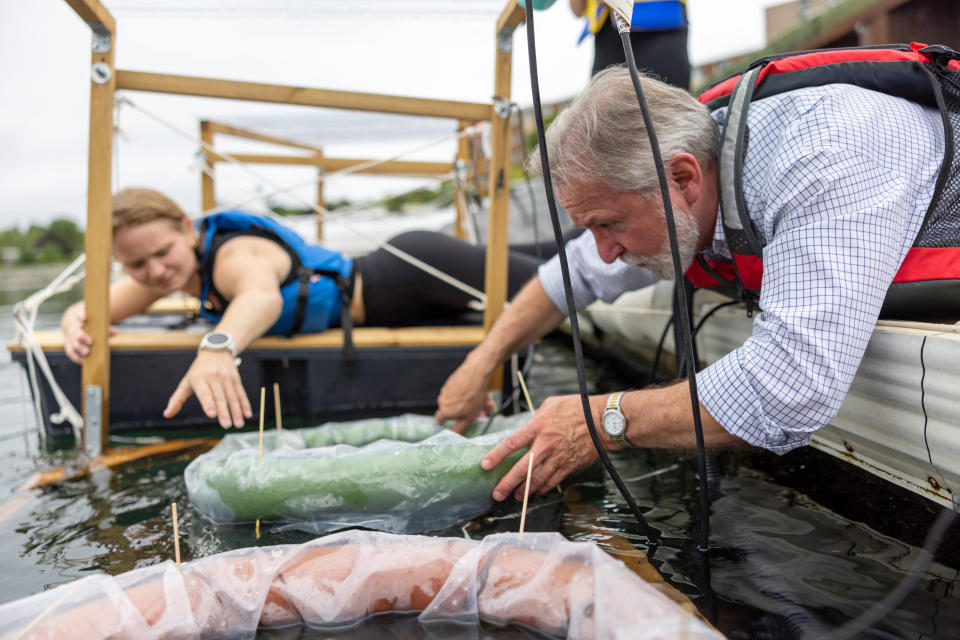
{"x":137,"y":205}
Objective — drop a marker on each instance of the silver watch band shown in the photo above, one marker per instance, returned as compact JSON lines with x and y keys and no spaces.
{"x":613,"y":404}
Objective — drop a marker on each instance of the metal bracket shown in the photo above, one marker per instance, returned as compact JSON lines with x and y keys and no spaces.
{"x":100,"y":73}
{"x":92,"y":410}
{"x":102,"y":39}
{"x":505,"y":40}
{"x":503,"y":108}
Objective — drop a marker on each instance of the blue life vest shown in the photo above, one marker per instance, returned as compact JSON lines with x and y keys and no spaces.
{"x":315,"y":293}
{"x":648,"y":15}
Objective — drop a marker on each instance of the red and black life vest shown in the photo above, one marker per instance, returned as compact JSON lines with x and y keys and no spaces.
{"x":928,"y":282}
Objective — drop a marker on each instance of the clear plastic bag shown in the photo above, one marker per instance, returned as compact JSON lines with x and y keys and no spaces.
{"x":540,"y":580}
{"x":401,"y":474}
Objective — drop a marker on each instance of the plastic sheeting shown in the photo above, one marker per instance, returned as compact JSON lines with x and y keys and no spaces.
{"x":539,"y":580}
{"x":401,"y":474}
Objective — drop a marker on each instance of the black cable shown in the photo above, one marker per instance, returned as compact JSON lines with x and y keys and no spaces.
{"x":527,"y":365}
{"x":686,"y":333}
{"x":659,"y":351}
{"x":696,"y":329}
{"x":652,"y":534}
{"x":877,"y":612}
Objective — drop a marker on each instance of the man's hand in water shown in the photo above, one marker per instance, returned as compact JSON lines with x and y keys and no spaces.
{"x":464,"y":395}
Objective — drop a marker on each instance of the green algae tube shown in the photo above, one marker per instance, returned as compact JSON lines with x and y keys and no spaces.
{"x":401,"y":474}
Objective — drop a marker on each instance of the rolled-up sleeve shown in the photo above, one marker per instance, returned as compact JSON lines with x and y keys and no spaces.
{"x":590,"y":277}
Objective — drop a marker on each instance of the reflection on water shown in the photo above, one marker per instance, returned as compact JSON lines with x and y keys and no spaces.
{"x":782,"y":566}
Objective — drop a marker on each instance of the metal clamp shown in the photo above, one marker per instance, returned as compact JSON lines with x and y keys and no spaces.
{"x":92,"y":411}
{"x":505,"y":39}
{"x":503,"y":108}
{"x":102,"y":38}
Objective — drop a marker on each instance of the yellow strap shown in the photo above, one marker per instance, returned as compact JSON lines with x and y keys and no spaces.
{"x":596,"y":13}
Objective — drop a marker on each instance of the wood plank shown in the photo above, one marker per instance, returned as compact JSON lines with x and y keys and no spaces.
{"x":512,"y":16}
{"x":94,"y":14}
{"x":460,"y":201}
{"x":495,"y":275}
{"x":98,"y":238}
{"x":391,"y":167}
{"x":208,"y":200}
{"x":333,"y":338}
{"x":116,"y":457}
{"x":250,"y":134}
{"x":286,"y":94}
{"x":321,"y":201}
{"x":584,"y":515}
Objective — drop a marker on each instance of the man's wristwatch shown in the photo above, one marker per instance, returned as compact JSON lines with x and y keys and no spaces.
{"x":220,"y":341}
{"x":613,"y":420}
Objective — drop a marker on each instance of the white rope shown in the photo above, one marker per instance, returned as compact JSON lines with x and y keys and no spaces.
{"x":325,"y":213}
{"x":23,"y":413}
{"x":25,"y":319}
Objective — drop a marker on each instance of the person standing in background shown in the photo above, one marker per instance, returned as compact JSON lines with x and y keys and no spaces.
{"x":658,"y":33}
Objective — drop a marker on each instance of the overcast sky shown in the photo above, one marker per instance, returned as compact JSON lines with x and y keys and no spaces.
{"x":429,"y":48}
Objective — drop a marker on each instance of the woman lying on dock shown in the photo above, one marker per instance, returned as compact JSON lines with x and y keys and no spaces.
{"x":254,"y":277}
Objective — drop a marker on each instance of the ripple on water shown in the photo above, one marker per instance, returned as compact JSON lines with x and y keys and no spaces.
{"x":782,"y":566}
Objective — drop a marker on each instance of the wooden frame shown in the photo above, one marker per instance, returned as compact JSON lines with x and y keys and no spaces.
{"x":324,"y":164}
{"x":495,"y":277}
{"x":106,"y":79}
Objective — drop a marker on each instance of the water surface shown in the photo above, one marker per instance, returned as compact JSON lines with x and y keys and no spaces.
{"x":782,"y":565}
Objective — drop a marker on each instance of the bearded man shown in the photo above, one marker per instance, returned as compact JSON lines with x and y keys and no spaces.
{"x":836,"y":180}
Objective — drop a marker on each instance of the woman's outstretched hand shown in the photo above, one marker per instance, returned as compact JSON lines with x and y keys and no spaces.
{"x":214,"y":378}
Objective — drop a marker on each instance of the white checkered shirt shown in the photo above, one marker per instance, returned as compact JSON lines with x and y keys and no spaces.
{"x":837,"y":180}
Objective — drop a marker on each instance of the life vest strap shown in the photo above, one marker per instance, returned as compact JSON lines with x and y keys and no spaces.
{"x":345,"y":285}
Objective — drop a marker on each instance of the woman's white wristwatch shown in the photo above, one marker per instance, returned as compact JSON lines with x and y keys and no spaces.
{"x":614,"y":421}
{"x":220,"y":341}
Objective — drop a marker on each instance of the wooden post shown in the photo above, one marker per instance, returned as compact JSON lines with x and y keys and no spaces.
{"x":495,"y":276}
{"x":321,"y":203}
{"x":462,"y":165}
{"x":208,"y":199}
{"x":99,"y":234}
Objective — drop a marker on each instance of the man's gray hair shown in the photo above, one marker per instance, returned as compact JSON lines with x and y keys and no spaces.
{"x":601,"y":138}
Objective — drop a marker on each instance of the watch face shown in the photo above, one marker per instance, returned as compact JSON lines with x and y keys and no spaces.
{"x":614,"y":423}
{"x":217,"y":339}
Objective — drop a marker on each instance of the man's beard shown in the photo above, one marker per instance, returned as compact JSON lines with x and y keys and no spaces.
{"x":661,"y":264}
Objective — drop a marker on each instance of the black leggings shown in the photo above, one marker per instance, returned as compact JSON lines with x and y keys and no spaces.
{"x":396,"y":293}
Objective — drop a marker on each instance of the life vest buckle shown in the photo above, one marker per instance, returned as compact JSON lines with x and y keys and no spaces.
{"x":940,"y":55}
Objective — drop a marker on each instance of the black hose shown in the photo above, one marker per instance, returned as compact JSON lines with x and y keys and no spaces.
{"x":878,"y":611}
{"x":659,"y":351}
{"x":652,"y":534}
{"x":684,"y":304}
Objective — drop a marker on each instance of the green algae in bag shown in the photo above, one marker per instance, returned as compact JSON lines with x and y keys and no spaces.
{"x":401,"y":474}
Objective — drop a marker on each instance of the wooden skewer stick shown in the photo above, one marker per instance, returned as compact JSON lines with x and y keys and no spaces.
{"x":526,"y":394}
{"x":526,"y":492}
{"x":263,"y":395}
{"x":176,"y":535}
{"x":526,"y":486}
{"x":276,"y":406}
